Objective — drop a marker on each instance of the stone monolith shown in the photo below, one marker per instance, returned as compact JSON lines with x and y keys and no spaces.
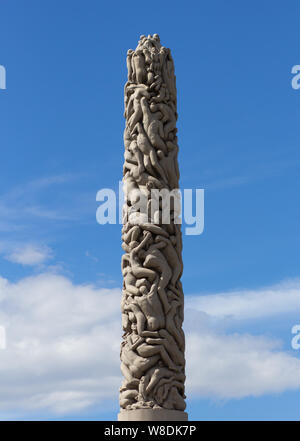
{"x":152,"y":350}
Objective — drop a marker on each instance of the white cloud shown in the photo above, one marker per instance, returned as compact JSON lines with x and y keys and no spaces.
{"x":237,"y":366}
{"x":278,"y":299}
{"x":63,"y":344}
{"x":29,"y":254}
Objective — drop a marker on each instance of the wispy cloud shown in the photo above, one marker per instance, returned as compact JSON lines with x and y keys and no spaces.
{"x":24,"y":204}
{"x":91,"y":256}
{"x":29,"y":254}
{"x":256,"y":173}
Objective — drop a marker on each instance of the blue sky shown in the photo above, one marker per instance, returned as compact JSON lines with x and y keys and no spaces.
{"x":61,"y":137}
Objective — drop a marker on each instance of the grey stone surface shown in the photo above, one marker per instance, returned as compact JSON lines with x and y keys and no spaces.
{"x":152,"y":415}
{"x":152,"y":351}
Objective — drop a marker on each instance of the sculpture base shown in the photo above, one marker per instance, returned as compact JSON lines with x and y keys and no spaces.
{"x":152,"y":415}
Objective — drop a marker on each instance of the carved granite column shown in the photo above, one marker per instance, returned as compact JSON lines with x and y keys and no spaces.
{"x":152,"y":351}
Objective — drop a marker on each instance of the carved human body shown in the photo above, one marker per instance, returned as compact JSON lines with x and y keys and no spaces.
{"x":152,"y":351}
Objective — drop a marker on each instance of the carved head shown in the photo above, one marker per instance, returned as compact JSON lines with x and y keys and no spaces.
{"x":143,"y":290}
